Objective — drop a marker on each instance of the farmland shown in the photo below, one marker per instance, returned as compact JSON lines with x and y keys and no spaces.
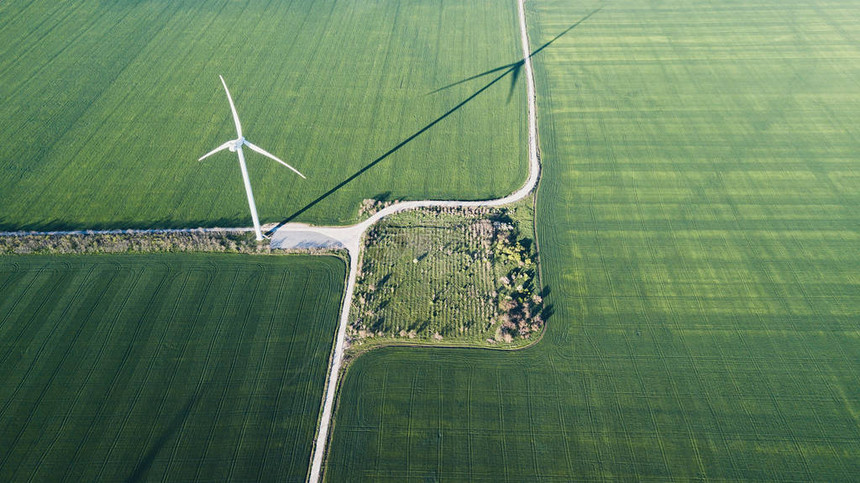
{"x":117,"y":367}
{"x":697,"y":216}
{"x":107,"y":106}
{"x":697,"y":219}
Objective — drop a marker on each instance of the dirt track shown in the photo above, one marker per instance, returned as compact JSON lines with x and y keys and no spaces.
{"x":296,"y":235}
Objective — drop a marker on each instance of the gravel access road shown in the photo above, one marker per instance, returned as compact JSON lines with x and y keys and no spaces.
{"x":299,"y":235}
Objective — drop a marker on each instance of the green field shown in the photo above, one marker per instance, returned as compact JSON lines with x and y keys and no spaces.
{"x":107,"y":106}
{"x":699,"y":225}
{"x":178,"y":367}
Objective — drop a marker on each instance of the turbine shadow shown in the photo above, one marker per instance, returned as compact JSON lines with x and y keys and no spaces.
{"x":514,"y":79}
{"x":390,"y":151}
{"x":504,"y":69}
{"x":476,"y":76}
{"x":519,"y":62}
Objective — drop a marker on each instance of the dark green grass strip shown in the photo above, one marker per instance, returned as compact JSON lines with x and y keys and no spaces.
{"x":121,"y":373}
{"x":698,"y":225}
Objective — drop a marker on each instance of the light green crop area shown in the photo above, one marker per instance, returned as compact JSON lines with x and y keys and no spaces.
{"x":698,"y":223}
{"x":107,"y":106}
{"x":177,"y":367}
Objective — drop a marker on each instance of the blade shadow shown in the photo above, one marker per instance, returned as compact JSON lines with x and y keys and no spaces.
{"x":506,"y":69}
{"x":565,"y":31}
{"x":476,"y":76}
{"x":514,"y":79}
{"x":519,"y":62}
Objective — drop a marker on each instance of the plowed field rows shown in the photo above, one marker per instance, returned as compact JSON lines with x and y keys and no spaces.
{"x":163,"y":366}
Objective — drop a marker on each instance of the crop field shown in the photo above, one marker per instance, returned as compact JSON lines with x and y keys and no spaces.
{"x":449,"y":276}
{"x":178,"y":367}
{"x":698,"y":222}
{"x":107,"y":106}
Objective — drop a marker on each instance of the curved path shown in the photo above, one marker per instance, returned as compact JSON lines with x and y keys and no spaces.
{"x":298,"y":235}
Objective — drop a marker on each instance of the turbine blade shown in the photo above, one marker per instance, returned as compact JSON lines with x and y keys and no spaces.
{"x":232,"y":108}
{"x":270,"y":155}
{"x":219,"y":148}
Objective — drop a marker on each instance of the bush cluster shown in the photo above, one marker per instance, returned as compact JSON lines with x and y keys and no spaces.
{"x":445,"y":272}
{"x":136,"y":242}
{"x":519,"y":305}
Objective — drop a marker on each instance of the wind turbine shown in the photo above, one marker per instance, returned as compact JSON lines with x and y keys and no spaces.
{"x":235,"y":146}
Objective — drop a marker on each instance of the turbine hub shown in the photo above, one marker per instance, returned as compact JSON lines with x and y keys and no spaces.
{"x":237,"y":144}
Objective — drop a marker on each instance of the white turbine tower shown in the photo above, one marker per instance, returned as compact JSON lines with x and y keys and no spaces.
{"x":236,"y":146}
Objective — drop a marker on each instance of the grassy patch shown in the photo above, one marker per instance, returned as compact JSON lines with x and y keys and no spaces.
{"x":449,"y":276}
{"x":176,"y":367}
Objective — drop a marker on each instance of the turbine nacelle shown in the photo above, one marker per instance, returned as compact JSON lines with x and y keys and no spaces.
{"x":234,"y":145}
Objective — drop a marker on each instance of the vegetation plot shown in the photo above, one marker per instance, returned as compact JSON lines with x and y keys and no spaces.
{"x":108,"y":105}
{"x":176,"y":367}
{"x":698,"y":223}
{"x":449,"y":276}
